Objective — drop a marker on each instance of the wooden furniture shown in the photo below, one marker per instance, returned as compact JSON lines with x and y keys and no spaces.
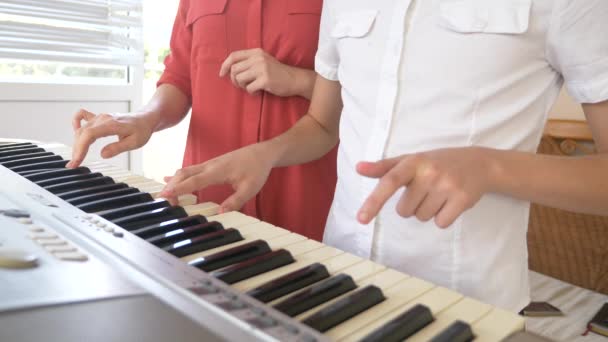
{"x":569,"y":246}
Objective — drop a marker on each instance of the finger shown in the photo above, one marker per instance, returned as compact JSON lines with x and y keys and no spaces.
{"x":236,"y":200}
{"x":411,"y":199}
{"x":196,"y":181}
{"x":258,"y":85}
{"x":450,"y":211}
{"x":123,"y":145}
{"x":238,"y":68}
{"x":85,"y":137}
{"x":400,"y":175}
{"x":379,"y":168}
{"x":245,"y":78}
{"x":430,"y":206}
{"x":82,"y":114}
{"x":234,"y":57}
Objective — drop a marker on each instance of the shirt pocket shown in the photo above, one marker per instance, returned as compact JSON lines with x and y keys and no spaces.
{"x":302,"y":31}
{"x":207,"y":21}
{"x":493,"y":16}
{"x":352,"y":32}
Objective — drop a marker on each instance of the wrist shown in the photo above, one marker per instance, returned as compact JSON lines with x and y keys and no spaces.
{"x":272,"y":151}
{"x":150,"y":118}
{"x":303,"y":82}
{"x":494,"y":164}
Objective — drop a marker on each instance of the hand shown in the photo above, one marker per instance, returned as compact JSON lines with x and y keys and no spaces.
{"x":245,"y":169}
{"x":440,"y":184}
{"x":255,"y":70}
{"x":133,"y":131}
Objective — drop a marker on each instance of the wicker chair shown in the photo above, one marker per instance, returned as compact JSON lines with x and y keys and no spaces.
{"x":569,"y":246}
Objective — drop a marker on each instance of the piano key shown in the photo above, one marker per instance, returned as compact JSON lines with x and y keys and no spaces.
{"x":497,"y":325}
{"x":467,"y":310}
{"x":403,"y":326}
{"x":171,"y":225}
{"x":148,"y":218}
{"x":259,"y":230}
{"x":20,"y":151}
{"x":316,"y":294}
{"x":101,"y":195}
{"x":30,"y":161}
{"x":184,"y":233}
{"x":384,"y":279}
{"x":12,"y":147}
{"x":91,"y":190}
{"x":290,"y":282}
{"x":302,"y":261}
{"x":345,"y":308}
{"x":397,"y":296}
{"x":458,"y":331}
{"x":255,"y":266}
{"x":232,"y":256}
{"x":115,"y":202}
{"x":18,"y":155}
{"x":205,"y":242}
{"x":56,"y":164}
{"x":67,"y":178}
{"x":436,"y":300}
{"x":206,"y":209}
{"x":114,"y":214}
{"x":230,"y":219}
{"x":42,"y":175}
{"x":75,"y":185}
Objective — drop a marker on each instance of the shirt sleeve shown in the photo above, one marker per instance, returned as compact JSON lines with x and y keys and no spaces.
{"x":177,"y":63}
{"x":327,"y":59}
{"x":577,"y":47}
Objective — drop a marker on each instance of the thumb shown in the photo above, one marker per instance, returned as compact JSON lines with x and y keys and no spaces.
{"x":116,"y":148}
{"x":235,"y":201}
{"x":377,"y":169}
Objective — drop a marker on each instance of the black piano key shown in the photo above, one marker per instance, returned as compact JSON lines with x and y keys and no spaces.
{"x":134,"y":209}
{"x":402,"y":326}
{"x":90,"y":191}
{"x":168,"y":226}
{"x":101,"y":195}
{"x":75,"y":185}
{"x":204,"y":243}
{"x":16,"y":146}
{"x":185,"y":233}
{"x":289,"y":283}
{"x":458,"y":331}
{"x":345,"y":308}
{"x":232,"y":256}
{"x":30,"y":161}
{"x":55,"y":164}
{"x":115,"y":202}
{"x":22,"y":154}
{"x":144,"y":219}
{"x":252,"y":267}
{"x":316,"y":295}
{"x":50,"y":174}
{"x":67,"y":178}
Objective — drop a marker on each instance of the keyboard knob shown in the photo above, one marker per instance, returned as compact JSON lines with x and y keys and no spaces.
{"x":17,"y":258}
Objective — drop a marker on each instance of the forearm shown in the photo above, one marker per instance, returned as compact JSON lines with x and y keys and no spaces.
{"x":167,"y":107}
{"x":571,"y":183}
{"x":304,"y":81}
{"x":306,"y":141}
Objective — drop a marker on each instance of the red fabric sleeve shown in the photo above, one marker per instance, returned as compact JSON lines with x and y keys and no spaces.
{"x":177,"y":63}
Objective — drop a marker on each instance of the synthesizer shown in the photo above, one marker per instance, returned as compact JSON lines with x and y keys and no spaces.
{"x":99,"y":235}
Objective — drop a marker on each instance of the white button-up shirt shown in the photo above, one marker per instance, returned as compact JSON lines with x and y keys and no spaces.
{"x":428,"y":74}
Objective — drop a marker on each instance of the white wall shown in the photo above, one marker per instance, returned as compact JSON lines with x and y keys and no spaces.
{"x":44,"y":111}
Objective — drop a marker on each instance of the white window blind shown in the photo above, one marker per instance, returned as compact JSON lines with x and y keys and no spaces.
{"x":81,"y":31}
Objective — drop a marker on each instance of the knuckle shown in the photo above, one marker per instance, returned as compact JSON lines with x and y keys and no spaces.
{"x":391,"y":180}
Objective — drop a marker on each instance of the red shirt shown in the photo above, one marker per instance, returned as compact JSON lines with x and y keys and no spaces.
{"x":225,"y":118}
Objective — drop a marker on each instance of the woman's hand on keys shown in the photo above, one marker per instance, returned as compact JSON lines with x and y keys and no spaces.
{"x":133,"y":131}
{"x":245,"y":169}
